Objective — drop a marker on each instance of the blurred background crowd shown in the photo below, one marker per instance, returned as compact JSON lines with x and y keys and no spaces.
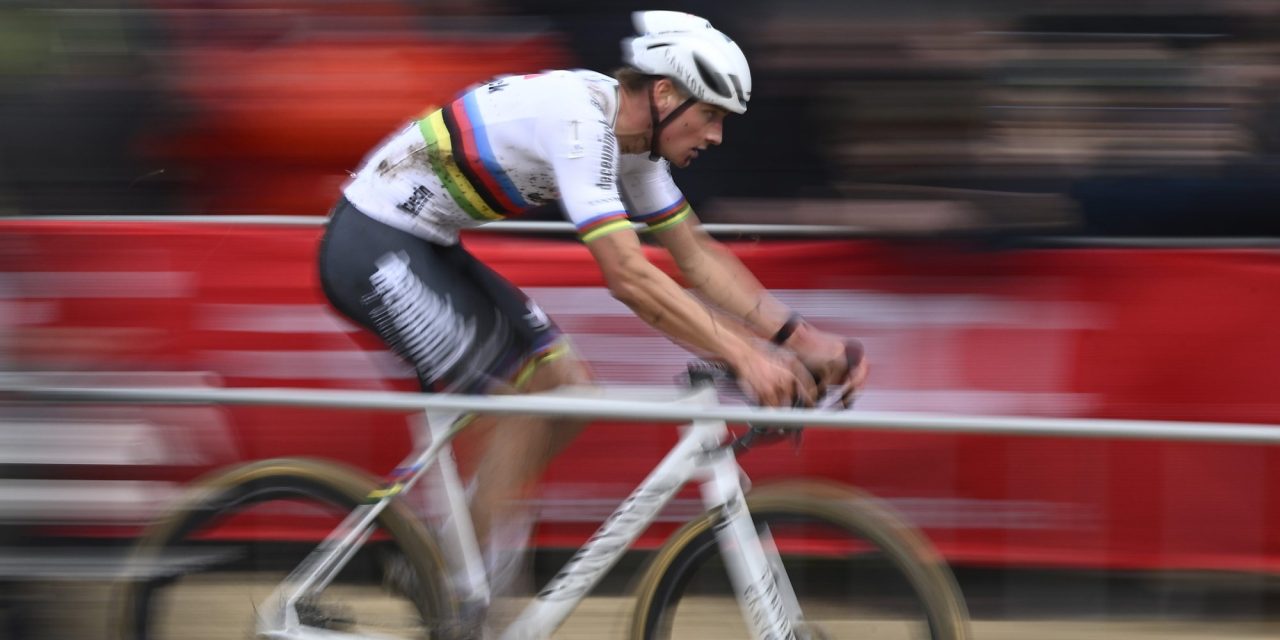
{"x":1140,"y":118}
{"x":1023,"y":118}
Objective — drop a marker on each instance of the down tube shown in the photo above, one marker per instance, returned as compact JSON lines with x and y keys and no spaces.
{"x":754,"y":580}
{"x":585,"y":569}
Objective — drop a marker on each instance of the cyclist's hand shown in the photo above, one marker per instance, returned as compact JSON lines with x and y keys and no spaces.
{"x":827,"y":357}
{"x":774,"y":381}
{"x":854,"y":381}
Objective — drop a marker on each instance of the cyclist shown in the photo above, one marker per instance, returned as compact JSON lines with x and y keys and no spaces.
{"x":602,"y":146}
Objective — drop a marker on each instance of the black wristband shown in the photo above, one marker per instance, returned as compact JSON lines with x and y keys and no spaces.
{"x":788,"y":328}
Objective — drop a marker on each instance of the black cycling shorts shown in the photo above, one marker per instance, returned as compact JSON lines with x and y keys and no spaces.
{"x":463,"y":328}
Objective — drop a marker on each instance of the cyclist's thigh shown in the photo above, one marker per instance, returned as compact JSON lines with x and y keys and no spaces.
{"x":424,"y":302}
{"x":566,"y":370}
{"x":550,"y":362}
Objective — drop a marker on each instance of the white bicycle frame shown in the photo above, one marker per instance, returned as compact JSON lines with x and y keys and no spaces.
{"x":755,"y":570}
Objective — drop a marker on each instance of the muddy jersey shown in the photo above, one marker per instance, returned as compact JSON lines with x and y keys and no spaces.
{"x":511,"y":145}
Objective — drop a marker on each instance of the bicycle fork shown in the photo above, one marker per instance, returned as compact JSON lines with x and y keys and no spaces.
{"x":764,"y":592}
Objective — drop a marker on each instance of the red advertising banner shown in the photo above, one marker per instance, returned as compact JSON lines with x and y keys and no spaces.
{"x":1109,"y":333}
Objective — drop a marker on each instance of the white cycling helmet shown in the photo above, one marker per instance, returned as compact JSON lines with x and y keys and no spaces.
{"x":690,"y":51}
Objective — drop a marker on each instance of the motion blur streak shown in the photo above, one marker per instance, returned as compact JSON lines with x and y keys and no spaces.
{"x":1004,"y":162}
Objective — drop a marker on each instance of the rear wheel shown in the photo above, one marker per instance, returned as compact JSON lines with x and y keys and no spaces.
{"x":203,"y":571}
{"x":855,"y":569}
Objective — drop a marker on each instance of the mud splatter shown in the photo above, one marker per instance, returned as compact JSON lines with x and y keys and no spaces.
{"x":542,"y":188}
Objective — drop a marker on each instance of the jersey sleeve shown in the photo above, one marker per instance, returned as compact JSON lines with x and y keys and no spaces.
{"x":582,"y":150}
{"x":651,"y":194}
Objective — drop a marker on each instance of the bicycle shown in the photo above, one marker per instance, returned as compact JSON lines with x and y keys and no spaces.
{"x":760,"y":542}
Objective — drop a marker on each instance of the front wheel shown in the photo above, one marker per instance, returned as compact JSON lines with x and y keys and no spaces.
{"x":203,"y":571}
{"x":855,"y":569}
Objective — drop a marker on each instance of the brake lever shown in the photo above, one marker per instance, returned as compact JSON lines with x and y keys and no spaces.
{"x":703,"y":372}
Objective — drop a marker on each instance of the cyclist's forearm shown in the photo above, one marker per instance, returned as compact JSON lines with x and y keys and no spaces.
{"x":667,"y":307}
{"x":722,"y":279}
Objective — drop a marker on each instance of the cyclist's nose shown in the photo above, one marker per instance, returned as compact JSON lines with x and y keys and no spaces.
{"x":715,"y":135}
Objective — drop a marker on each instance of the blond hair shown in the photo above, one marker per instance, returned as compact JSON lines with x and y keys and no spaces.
{"x":634,"y":80}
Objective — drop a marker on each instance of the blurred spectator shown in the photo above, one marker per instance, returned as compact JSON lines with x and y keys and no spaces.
{"x":78,"y":97}
{"x":1224,"y":111}
{"x":283,"y":99}
{"x":1153,"y":117}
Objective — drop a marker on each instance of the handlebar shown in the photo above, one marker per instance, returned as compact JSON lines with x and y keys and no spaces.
{"x":704,"y":372}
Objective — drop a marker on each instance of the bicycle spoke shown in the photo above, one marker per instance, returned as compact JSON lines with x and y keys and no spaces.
{"x":852,"y":571}
{"x":247,"y":554}
{"x":844,"y":588}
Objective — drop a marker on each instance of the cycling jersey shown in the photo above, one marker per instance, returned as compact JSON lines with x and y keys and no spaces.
{"x":507,"y":146}
{"x":460,"y":325}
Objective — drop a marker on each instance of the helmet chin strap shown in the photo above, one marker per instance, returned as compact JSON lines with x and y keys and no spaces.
{"x":659,"y":125}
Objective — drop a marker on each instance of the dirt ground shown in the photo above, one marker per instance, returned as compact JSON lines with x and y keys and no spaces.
{"x":1004,"y":609}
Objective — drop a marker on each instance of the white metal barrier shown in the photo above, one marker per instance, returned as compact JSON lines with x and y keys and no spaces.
{"x":500,"y":226}
{"x":560,"y":404}
{"x":809,"y":231}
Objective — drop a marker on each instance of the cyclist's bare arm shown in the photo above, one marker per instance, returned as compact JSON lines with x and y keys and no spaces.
{"x":721,"y":278}
{"x":667,"y":307}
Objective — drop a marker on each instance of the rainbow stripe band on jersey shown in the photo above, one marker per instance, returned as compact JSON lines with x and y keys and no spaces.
{"x":665,"y":218}
{"x":463,"y":160}
{"x":603,"y":225}
{"x":477,"y":161}
{"x":440,"y":152}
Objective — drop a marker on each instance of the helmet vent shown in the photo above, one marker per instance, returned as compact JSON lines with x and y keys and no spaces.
{"x":711,"y":79}
{"x":737,"y":88}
